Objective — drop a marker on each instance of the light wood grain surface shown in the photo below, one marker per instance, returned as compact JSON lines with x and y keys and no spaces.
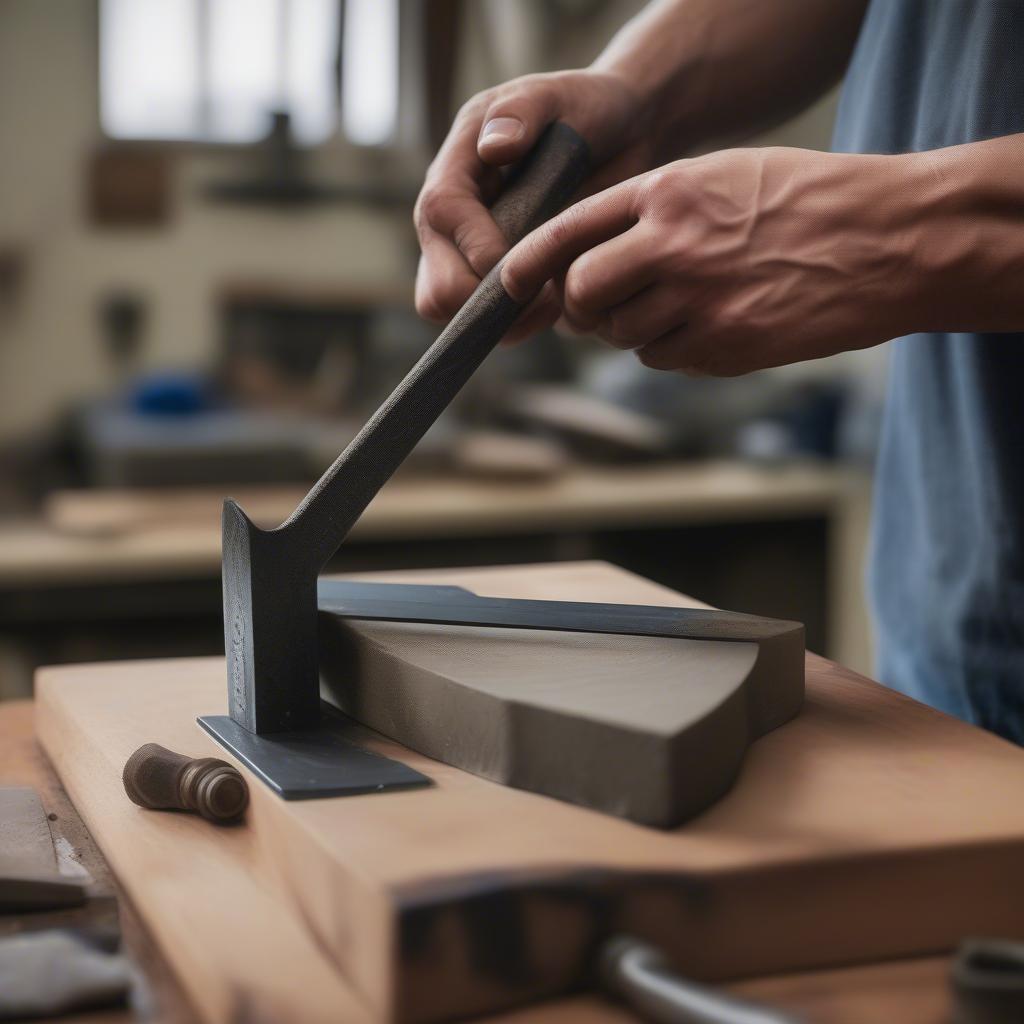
{"x":871,"y":827}
{"x":908,"y":991}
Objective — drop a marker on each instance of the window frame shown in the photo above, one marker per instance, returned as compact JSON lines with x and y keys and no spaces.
{"x":337,"y":141}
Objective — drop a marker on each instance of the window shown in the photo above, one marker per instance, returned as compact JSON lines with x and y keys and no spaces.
{"x":369,"y":71}
{"x":215,"y":70}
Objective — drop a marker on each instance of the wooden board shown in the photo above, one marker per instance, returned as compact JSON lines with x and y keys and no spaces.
{"x":870,"y":827}
{"x":909,"y":991}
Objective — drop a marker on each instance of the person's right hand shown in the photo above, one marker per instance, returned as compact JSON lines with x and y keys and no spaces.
{"x":459,"y":241}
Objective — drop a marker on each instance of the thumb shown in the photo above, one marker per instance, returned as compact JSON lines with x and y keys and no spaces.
{"x":513,"y":124}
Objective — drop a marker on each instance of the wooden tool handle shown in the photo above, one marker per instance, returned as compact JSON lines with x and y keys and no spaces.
{"x":545,"y":181}
{"x":160,"y":779}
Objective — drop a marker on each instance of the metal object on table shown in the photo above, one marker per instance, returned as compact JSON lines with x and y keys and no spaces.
{"x":988,"y":982}
{"x":159,"y":779}
{"x":455,"y":606}
{"x":270,"y":598}
{"x":311,"y":763}
{"x":642,"y":976}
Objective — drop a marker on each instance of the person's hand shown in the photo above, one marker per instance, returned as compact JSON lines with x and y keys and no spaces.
{"x":736,"y":261}
{"x":459,"y":240}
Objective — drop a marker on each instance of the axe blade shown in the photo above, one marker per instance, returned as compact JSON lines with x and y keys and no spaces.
{"x":270,"y":608}
{"x":270,"y":627}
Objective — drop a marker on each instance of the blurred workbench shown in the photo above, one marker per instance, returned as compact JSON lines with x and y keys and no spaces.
{"x":101,"y":570}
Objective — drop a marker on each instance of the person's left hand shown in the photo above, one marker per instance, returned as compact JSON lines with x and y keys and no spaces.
{"x":735,"y":261}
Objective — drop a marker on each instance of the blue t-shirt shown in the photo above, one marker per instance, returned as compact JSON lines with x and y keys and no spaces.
{"x":947,"y":562}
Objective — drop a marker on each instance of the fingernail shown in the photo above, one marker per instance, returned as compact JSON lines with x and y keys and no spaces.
{"x":501,"y":129}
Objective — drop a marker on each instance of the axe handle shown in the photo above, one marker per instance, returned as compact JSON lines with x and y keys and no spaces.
{"x":542,"y":184}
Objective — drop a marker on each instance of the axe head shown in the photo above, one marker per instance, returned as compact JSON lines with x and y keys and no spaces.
{"x":270,"y":626}
{"x":270,"y":606}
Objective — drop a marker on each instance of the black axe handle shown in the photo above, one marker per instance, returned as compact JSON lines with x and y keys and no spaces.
{"x":544,"y":182}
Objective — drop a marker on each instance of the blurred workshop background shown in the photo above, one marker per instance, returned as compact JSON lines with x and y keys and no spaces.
{"x":206,"y":269}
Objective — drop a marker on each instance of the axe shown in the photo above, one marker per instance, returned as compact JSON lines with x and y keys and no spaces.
{"x":270,"y":576}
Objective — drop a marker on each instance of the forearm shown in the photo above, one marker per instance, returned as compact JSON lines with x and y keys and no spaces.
{"x":713,"y":69}
{"x":965,"y":249}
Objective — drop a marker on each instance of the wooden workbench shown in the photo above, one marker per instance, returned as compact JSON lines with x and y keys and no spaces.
{"x":910,"y":991}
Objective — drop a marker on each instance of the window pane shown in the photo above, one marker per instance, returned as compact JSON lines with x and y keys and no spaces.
{"x":311,"y":89}
{"x":369,"y":86}
{"x":213,"y":70}
{"x":244,"y":70}
{"x":149,"y":70}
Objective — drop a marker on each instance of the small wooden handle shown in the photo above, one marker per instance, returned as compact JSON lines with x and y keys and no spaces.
{"x":159,"y":779}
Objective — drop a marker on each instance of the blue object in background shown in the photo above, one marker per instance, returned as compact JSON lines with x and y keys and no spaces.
{"x":813,"y":420}
{"x":170,"y":394}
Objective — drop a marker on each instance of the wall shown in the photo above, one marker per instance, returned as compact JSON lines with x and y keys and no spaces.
{"x":50,"y":346}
